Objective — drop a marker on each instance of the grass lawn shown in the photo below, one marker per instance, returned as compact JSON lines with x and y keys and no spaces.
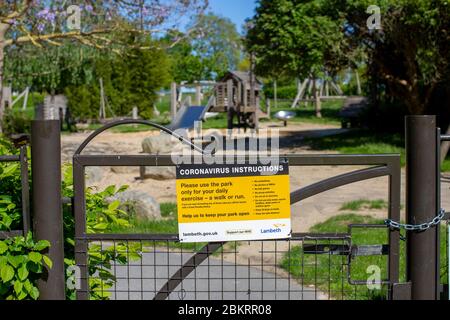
{"x":364,"y":204}
{"x":330,"y":115}
{"x":330,"y":112}
{"x":364,"y":141}
{"x":167,"y":225}
{"x":330,"y":274}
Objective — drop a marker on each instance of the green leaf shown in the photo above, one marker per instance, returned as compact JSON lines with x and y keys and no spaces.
{"x":22,"y":295}
{"x":114,"y":205}
{"x":47,"y":261}
{"x":7,"y":273}
{"x":18,"y":287}
{"x":35,"y":257}
{"x":28,"y":286}
{"x":34,"y":293}
{"x":15,"y":261}
{"x":41,"y":245}
{"x":3,"y":261}
{"x":22,"y":273}
{"x":101,"y":226}
{"x":3,"y":247}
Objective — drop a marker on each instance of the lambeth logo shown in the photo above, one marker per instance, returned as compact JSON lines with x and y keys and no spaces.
{"x":278,"y":230}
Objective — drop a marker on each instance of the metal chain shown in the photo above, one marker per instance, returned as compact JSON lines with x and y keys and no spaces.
{"x":416,"y":227}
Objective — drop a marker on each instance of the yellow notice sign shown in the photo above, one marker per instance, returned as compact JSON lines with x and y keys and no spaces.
{"x":233,"y":202}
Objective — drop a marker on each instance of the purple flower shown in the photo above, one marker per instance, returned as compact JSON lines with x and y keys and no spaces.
{"x":41,"y":27}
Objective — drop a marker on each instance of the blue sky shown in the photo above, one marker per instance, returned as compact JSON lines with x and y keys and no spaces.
{"x":236,"y":10}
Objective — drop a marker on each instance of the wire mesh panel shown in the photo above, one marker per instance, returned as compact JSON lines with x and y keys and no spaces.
{"x":283,"y":270}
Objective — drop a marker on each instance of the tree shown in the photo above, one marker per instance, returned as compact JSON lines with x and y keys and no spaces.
{"x":128,"y":83}
{"x":293,"y":38}
{"x":209,"y":51}
{"x":186,"y":65}
{"x":52,"y":21}
{"x":218,"y":43}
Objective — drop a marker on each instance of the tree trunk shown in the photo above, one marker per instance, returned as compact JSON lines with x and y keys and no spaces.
{"x":3,"y":28}
{"x":358,"y":83}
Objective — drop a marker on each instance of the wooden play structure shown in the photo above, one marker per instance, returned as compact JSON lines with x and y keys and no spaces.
{"x":237,"y":94}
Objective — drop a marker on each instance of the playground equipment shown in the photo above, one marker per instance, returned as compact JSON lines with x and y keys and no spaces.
{"x":187,"y":116}
{"x":237,"y":94}
{"x":284,"y":116}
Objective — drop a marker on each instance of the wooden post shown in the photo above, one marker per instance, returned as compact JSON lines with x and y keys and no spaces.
{"x":275,"y":93}
{"x":317,"y":99}
{"x":173,"y":100}
{"x":188,"y":101}
{"x":252,"y":81}
{"x":198,"y":95}
{"x":102,"y":113}
{"x":230,"y":94}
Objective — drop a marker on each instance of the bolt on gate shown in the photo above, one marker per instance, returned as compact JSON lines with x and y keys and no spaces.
{"x":167,"y":269}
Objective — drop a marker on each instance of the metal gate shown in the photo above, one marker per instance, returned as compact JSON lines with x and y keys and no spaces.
{"x":315,"y":266}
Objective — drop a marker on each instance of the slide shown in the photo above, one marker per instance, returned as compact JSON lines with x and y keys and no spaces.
{"x":187,"y":116}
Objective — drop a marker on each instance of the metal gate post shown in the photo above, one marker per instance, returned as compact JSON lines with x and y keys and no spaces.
{"x":421,"y":206}
{"x":47,"y":205}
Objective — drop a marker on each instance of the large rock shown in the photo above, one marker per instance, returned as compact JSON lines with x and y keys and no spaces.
{"x":125,"y":170}
{"x":94,"y":175}
{"x":160,"y":173}
{"x":161,"y":144}
{"x":142,"y":205}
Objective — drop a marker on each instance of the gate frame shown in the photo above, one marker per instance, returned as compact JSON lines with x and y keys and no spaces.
{"x":383,"y":165}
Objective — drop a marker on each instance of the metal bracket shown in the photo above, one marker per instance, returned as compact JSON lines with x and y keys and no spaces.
{"x":346,"y":249}
{"x":401,"y":291}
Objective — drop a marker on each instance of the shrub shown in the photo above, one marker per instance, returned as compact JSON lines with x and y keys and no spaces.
{"x":22,"y":259}
{"x":16,"y":121}
{"x":102,"y":216}
{"x":10,"y":190}
{"x":21,"y":264}
{"x":288,"y":92}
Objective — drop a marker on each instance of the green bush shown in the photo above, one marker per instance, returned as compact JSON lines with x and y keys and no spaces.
{"x":83,"y":101}
{"x":102,"y":216}
{"x":287,"y":92}
{"x":22,"y":263}
{"x":10,"y":190}
{"x":16,"y":121}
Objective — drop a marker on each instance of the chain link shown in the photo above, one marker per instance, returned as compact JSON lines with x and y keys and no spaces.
{"x":416,"y":227}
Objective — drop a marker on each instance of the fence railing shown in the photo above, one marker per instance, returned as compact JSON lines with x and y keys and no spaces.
{"x":25,"y":192}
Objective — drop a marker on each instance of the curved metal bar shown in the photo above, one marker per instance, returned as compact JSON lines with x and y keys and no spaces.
{"x":338,"y":181}
{"x":190,"y":265}
{"x":130,"y":121}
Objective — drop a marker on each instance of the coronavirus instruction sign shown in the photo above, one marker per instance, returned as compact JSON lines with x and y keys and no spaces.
{"x":233,"y":202}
